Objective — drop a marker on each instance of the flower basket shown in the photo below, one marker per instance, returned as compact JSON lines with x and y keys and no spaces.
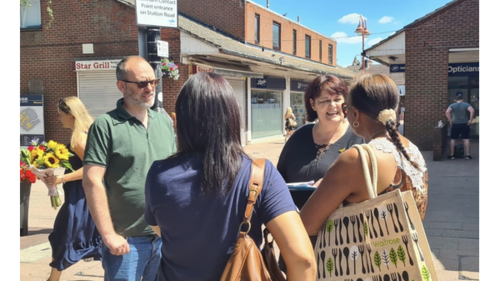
{"x":169,"y":69}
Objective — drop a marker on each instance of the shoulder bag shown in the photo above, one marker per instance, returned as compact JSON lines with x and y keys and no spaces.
{"x":379,"y":239}
{"x":247,"y":262}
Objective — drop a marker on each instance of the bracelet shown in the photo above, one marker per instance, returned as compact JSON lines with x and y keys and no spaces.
{"x":62,"y":179}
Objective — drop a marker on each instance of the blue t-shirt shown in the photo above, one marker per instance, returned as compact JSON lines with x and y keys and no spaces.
{"x":199,"y":231}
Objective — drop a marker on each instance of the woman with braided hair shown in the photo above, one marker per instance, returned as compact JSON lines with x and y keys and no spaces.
{"x":370,"y":107}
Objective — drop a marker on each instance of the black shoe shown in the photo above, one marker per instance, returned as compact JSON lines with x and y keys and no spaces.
{"x":451,"y":157}
{"x":468,"y":157}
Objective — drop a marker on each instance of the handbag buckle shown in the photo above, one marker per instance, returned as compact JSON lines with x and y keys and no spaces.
{"x":249,"y":227}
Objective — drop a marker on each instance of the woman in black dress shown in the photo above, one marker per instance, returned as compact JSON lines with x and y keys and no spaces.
{"x":75,"y":236}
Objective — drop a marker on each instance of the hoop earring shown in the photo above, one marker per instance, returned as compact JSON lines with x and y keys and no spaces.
{"x":355,"y":124}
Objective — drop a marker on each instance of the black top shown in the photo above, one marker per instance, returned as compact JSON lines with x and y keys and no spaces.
{"x":301,"y":160}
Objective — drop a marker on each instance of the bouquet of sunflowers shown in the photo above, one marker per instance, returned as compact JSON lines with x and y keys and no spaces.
{"x":48,"y":159}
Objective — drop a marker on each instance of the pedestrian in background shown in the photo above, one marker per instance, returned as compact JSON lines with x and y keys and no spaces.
{"x":371,"y":110}
{"x":122,"y":145}
{"x":460,"y":115}
{"x":290,"y":123}
{"x":198,"y":196}
{"x":74,"y":236}
{"x":313,"y":147}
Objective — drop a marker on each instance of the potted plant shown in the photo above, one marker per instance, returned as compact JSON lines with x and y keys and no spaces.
{"x":27,"y":178}
{"x":169,"y":69}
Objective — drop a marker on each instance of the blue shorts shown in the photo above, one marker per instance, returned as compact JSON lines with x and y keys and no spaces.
{"x":460,"y":129}
{"x":142,"y":261}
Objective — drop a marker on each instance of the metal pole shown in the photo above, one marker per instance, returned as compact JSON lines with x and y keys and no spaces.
{"x":153,"y":34}
{"x":363,"y":51}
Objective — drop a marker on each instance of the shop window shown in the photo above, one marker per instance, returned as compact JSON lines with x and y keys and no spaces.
{"x":31,"y":16}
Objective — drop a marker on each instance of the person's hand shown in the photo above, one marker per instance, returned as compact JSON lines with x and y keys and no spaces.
{"x":116,"y":244}
{"x":49,"y":180}
{"x":469,"y":123}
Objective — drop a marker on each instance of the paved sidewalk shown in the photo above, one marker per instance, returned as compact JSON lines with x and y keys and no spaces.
{"x":451,"y":223}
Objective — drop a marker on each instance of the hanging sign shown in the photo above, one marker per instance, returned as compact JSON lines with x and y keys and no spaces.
{"x":158,"y":13}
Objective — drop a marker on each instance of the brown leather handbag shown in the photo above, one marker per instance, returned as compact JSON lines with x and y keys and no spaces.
{"x":247,"y":263}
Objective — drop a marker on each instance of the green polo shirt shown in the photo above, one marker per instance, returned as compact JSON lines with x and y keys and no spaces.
{"x":120,"y":143}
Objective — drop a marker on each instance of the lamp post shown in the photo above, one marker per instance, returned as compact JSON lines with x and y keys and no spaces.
{"x":363,"y":31}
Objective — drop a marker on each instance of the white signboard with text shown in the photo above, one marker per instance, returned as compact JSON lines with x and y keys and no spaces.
{"x":161,"y":13}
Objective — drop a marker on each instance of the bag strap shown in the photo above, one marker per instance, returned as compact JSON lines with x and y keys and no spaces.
{"x":371,"y":181}
{"x":254,"y":186}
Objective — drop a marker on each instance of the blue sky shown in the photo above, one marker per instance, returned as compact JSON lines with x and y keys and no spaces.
{"x":339,"y":19}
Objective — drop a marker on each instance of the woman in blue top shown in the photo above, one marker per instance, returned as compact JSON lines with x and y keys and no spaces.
{"x":198,"y":196}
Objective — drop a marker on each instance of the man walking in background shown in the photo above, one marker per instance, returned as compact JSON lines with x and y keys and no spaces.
{"x":460,"y":115}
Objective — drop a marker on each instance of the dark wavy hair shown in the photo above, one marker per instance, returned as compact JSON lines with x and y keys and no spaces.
{"x":330,"y":83}
{"x":208,"y":124}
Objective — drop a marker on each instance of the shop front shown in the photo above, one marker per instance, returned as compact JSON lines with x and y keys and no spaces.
{"x":96,"y":80}
{"x":267,"y":107}
{"x":463,"y":79}
{"x":297,"y":91}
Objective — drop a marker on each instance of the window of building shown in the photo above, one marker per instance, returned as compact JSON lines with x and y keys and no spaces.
{"x":330,"y":53}
{"x":276,"y":36}
{"x":31,"y":16}
{"x":308,"y":46}
{"x":320,"y":50}
{"x":257,"y":28}
{"x":294,"y":42}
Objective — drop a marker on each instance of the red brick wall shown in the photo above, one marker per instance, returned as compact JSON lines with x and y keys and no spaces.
{"x":48,"y":54}
{"x":427,"y":45}
{"x":225,"y":15}
{"x":287,"y":26}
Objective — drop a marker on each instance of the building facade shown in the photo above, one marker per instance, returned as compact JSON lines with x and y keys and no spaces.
{"x":77,"y":56}
{"x":439,"y":56}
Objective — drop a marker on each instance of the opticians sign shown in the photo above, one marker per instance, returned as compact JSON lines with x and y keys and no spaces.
{"x":454,"y":69}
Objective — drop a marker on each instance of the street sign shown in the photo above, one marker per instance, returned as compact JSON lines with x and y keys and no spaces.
{"x":162,"y":48}
{"x":161,"y":13}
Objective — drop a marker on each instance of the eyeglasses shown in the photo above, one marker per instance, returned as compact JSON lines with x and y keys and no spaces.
{"x":143,"y":84}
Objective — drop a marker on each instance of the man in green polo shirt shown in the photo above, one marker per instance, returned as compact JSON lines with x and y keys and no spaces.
{"x":122,"y":144}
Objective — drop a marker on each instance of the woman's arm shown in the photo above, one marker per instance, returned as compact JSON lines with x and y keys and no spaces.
{"x":294,"y":246}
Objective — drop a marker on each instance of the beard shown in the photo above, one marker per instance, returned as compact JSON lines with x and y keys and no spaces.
{"x":137,"y":101}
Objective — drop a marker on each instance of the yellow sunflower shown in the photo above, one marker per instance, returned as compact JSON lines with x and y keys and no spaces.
{"x":50,"y":160}
{"x":52,"y":144}
{"x":62,"y":152}
{"x":37,"y":153}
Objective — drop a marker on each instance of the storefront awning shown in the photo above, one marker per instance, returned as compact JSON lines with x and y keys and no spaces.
{"x":228,"y":70}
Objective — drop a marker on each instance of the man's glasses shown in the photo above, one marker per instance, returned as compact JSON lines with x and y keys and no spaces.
{"x":143,"y":84}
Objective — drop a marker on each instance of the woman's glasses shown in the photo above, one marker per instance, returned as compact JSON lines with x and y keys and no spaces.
{"x":143,"y":84}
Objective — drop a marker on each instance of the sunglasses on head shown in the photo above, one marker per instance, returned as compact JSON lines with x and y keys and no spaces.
{"x":143,"y":84}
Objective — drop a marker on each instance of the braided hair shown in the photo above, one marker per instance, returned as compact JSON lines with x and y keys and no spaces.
{"x":377,"y":96}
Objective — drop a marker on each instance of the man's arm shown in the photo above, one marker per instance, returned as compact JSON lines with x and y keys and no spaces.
{"x":471,"y":110}
{"x":448,"y":115}
{"x":99,"y":209}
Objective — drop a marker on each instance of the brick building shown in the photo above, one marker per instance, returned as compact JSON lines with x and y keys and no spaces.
{"x":268,"y":58}
{"x":439,"y":55}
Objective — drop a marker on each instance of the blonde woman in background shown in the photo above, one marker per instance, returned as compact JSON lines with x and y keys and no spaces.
{"x":74,"y":236}
{"x":290,"y":123}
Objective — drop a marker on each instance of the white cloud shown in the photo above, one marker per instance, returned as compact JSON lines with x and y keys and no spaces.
{"x":342,"y":37}
{"x":386,"y":19}
{"x":350,"y":18}
{"x":372,"y":41}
